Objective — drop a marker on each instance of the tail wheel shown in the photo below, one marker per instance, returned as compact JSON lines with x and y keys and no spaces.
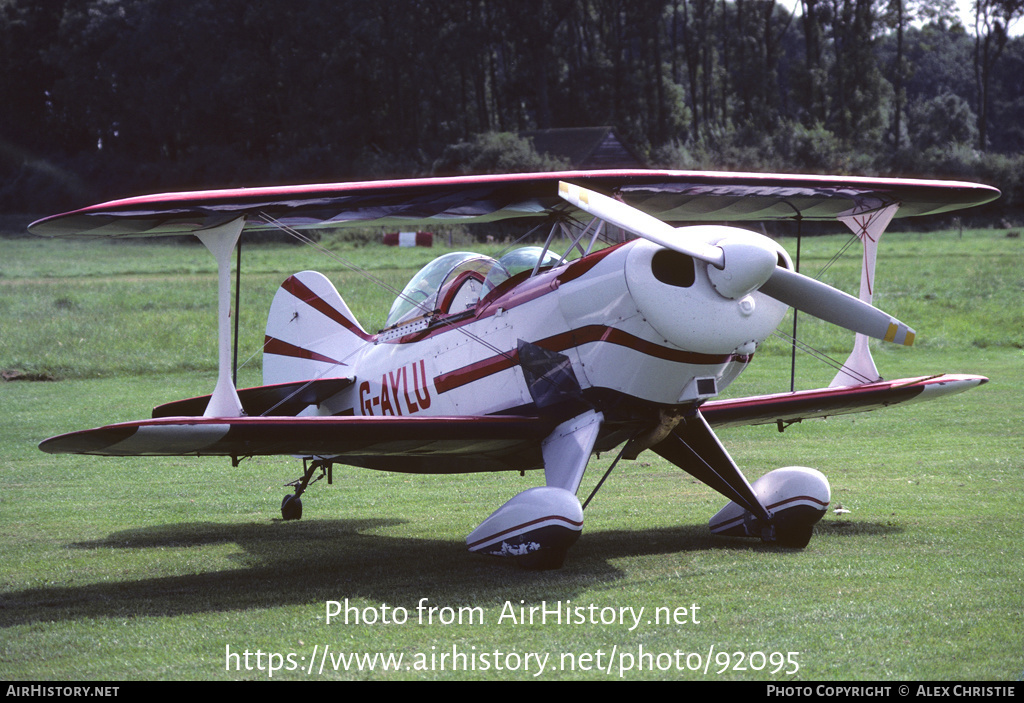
{"x":291,"y":506}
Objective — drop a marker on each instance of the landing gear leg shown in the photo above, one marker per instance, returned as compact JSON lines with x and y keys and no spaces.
{"x":291,"y":506}
{"x":537,"y":526}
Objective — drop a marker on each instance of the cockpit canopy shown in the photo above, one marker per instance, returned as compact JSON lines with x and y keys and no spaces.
{"x":455,"y":282}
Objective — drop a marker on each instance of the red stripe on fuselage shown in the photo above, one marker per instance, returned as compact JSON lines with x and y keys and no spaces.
{"x":575,"y":338}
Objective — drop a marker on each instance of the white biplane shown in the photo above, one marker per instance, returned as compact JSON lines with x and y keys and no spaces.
{"x":536,"y":360}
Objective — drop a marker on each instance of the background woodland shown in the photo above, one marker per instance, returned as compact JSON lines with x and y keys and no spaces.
{"x":109,"y":98}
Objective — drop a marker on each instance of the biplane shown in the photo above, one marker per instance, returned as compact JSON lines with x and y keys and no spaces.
{"x":539,"y":358}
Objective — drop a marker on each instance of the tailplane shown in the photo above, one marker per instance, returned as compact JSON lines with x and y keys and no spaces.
{"x":311,"y":332}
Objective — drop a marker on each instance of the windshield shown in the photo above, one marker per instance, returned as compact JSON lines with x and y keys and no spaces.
{"x":517,"y":261}
{"x":450,"y":284}
{"x":455,"y":282}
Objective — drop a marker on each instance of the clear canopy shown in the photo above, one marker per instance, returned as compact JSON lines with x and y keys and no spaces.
{"x":455,"y":282}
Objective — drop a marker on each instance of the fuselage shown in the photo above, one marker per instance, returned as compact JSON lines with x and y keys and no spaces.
{"x":639,"y":327}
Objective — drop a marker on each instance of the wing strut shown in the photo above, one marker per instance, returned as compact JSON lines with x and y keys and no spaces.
{"x":238,"y":309}
{"x":860,"y":366}
{"x":221,"y":240}
{"x":796,"y":313}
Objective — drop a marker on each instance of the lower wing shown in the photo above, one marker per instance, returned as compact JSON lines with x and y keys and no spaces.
{"x":786,"y":408}
{"x":405,"y":444}
{"x":442,"y":444}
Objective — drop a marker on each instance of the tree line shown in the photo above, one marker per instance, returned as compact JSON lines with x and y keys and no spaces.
{"x":105,"y":98}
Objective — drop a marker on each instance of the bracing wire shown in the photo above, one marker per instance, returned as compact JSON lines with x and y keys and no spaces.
{"x":811,"y":351}
{"x":837,"y":256}
{"x":821,"y":356}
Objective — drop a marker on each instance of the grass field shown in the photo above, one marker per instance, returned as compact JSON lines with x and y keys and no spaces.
{"x":174,"y":568}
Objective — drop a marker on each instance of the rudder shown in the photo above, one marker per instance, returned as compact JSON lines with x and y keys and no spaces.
{"x":311,"y":332}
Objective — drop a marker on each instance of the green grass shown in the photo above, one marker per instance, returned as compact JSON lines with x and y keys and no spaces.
{"x":151,"y":568}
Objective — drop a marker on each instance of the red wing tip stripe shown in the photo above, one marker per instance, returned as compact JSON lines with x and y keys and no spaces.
{"x":570,"y":524}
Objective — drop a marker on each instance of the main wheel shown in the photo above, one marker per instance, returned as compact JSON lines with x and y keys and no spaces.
{"x":794,"y":536}
{"x":291,"y":507}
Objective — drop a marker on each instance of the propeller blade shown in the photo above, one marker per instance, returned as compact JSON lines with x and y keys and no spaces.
{"x":795,"y":290}
{"x":639,"y":223}
{"x":832,"y":305}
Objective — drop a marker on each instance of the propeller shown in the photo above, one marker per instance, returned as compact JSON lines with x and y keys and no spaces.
{"x":740,"y":264}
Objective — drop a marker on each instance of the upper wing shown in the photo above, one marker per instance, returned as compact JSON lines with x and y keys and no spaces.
{"x":406,"y":444}
{"x":675,"y":196}
{"x":784,"y":408}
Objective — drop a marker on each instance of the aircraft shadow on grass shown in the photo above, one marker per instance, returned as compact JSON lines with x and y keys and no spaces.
{"x":318,"y":560}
